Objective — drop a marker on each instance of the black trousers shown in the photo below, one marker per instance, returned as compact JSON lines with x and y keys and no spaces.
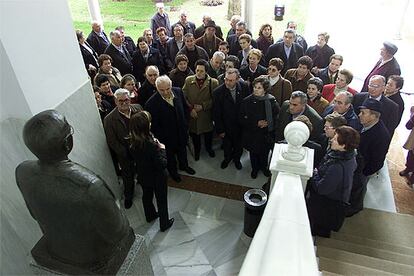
{"x":325,"y":214}
{"x":196,"y":138}
{"x":258,"y":160}
{"x":232,"y":147}
{"x":127,"y":173}
{"x":359,"y":189}
{"x":160,"y":192}
{"x":181,"y":153}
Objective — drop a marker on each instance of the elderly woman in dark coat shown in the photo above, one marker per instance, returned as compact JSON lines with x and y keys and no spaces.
{"x":332,"y":182}
{"x":151,"y":163}
{"x":258,"y":114}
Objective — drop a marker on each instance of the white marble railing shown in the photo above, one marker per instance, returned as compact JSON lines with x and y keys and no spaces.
{"x":282,"y":244}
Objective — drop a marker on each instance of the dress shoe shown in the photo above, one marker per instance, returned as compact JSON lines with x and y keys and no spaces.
{"x":224,"y":163}
{"x":153,"y":218}
{"x":128,"y":203}
{"x":266,"y":172}
{"x":169,"y":224}
{"x":238,"y":165}
{"x":189,"y":170}
{"x":176,"y":177}
{"x":253,"y":174}
{"x":211,"y":153}
{"x":404,"y":172}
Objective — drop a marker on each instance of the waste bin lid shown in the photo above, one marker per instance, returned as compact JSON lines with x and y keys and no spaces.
{"x":255,"y":197}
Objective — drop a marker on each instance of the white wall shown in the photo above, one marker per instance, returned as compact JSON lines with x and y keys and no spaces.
{"x":41,"y":68}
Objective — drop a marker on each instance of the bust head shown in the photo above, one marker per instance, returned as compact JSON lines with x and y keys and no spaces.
{"x":48,"y":136}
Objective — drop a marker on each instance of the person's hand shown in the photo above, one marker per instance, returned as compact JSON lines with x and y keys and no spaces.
{"x":198,"y":107}
{"x":91,"y":68}
{"x":262,"y":123}
{"x":193,"y":114}
{"x":221,"y":135}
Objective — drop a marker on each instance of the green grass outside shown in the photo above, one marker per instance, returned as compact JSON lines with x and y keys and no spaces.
{"x":135,"y":15}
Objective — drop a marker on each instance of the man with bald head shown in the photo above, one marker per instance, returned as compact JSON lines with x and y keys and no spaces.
{"x":342,"y":104}
{"x":376,"y":88}
{"x":148,"y":89}
{"x":97,"y":38}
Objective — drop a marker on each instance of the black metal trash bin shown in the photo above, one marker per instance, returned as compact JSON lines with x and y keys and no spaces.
{"x":254,"y":204}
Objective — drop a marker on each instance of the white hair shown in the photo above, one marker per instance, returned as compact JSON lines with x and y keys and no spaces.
{"x":219,"y":54}
{"x":163,"y":79}
{"x":152,"y":67}
{"x":121,"y":92}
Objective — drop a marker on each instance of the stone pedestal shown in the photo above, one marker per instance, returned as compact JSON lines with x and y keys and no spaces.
{"x":137,"y":262}
{"x":303,"y":168}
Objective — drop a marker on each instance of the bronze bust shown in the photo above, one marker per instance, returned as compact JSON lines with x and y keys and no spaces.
{"x":84,"y":229}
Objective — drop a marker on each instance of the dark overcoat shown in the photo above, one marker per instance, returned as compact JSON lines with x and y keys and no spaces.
{"x":169,"y":123}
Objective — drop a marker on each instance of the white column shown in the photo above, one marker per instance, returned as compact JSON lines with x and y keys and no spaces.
{"x":95,"y":10}
{"x":249,"y":13}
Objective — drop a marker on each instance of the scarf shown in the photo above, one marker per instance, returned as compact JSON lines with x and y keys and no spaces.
{"x":268,"y":110}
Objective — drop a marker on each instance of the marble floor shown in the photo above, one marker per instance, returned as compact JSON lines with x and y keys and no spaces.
{"x":207,"y":236}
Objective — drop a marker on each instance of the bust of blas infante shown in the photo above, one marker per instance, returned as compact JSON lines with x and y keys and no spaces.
{"x":84,"y":229}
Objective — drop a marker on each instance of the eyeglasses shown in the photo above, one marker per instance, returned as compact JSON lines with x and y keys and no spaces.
{"x":328,"y":127}
{"x":375,"y":86}
{"x":71,"y":131}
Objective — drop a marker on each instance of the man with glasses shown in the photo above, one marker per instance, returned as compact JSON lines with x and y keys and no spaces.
{"x":389,"y":111}
{"x":227,"y":99}
{"x":116,"y":126}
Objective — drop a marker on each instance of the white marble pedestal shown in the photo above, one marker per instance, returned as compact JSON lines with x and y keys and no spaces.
{"x":137,"y":262}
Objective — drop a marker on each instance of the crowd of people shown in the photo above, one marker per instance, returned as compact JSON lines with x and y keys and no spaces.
{"x":179,"y":81}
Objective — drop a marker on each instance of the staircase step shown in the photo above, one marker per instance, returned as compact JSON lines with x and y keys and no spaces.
{"x":343,"y":268}
{"x":366,"y":250}
{"x":373,"y":243}
{"x":362,"y":260}
{"x":327,"y":273}
{"x":384,"y":226}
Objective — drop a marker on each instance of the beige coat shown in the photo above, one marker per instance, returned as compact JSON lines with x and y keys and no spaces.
{"x":201,"y":96}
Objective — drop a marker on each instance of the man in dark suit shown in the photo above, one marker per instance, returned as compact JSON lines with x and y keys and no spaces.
{"x":127,"y":41}
{"x":373,"y":148}
{"x":292,"y":108}
{"x":175,"y":44}
{"x":119,"y":54}
{"x":170,"y":117}
{"x":386,"y":66}
{"x":97,"y":38}
{"x":227,"y":99}
{"x":287,"y":50}
{"x":233,"y":40}
{"x":390,"y":111}
{"x":116,"y":126}
{"x":188,"y":27}
{"x":144,"y":57}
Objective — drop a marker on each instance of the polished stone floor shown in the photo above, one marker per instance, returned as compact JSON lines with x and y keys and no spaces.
{"x":207,"y":236}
